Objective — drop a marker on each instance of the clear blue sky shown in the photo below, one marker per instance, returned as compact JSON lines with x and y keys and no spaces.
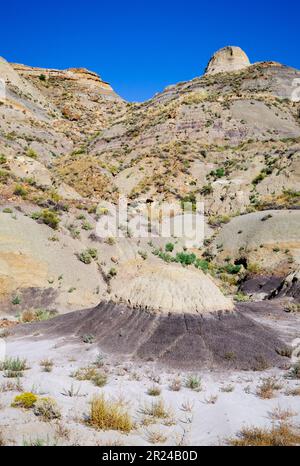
{"x":141,"y":47}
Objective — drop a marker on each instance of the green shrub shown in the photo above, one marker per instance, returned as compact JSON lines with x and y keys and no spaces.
{"x":206,"y":190}
{"x":13,"y":364}
{"x":169,"y":247}
{"x":201,"y":264}
{"x":85,"y":257}
{"x":86,"y":225}
{"x":88,"y":338}
{"x":31,"y":153}
{"x":189,"y":202}
{"x":20,"y":191}
{"x":165,"y":256}
{"x":232,"y":269}
{"x":185,"y":258}
{"x":218,"y":220}
{"x":4,"y":175}
{"x":16,"y":300}
{"x":48,"y":217}
{"x":93,"y":253}
{"x":88,"y":255}
{"x":218,"y":173}
{"x":259,"y":178}
{"x":3,"y":159}
{"x":112,"y":272}
{"x":193,"y":382}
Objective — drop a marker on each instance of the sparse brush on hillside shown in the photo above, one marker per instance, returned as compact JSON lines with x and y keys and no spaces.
{"x":48,"y":217}
{"x":33,"y":315}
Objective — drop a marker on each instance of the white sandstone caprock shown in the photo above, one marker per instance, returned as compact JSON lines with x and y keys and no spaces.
{"x":226,"y":60}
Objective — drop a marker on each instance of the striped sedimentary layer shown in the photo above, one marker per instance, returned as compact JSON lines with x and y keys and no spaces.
{"x":184,"y":341}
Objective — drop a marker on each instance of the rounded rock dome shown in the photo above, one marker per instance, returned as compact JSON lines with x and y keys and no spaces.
{"x":226,"y":60}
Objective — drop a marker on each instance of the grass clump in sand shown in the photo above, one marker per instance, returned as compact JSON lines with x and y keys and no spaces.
{"x":279,"y":435}
{"x":193,"y":382}
{"x":154,"y":391}
{"x":47,"y":409}
{"x":156,"y":410}
{"x":10,"y":386}
{"x":47,"y":365}
{"x":175,"y":385}
{"x":267,"y":387}
{"x":13,"y":367}
{"x":25,"y":400}
{"x":295,"y":371}
{"x":91,"y":373}
{"x":109,"y":415}
{"x":293,"y":391}
{"x":156,"y":436}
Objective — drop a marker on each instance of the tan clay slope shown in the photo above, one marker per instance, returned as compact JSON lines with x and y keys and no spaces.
{"x":41,"y":272}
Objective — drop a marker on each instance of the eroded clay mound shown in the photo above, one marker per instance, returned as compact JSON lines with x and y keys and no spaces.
{"x":168,"y":288}
{"x":185,"y":341}
{"x":268,"y":238}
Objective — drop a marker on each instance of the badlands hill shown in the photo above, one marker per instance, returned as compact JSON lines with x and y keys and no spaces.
{"x":69,"y":146}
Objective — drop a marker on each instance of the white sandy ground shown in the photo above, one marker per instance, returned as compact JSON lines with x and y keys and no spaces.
{"x":206,"y":424}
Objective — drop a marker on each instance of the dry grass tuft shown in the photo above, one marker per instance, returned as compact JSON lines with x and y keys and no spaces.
{"x":2,"y":441}
{"x":47,"y":409}
{"x":175,"y":385}
{"x":293,"y":391}
{"x":187,"y":406}
{"x":266,"y":389}
{"x":91,"y":373}
{"x":154,"y":391}
{"x":61,"y":431}
{"x":156,"y":436}
{"x":227,"y":388}
{"x":47,"y":365}
{"x":211,"y":400}
{"x":11,"y":386}
{"x":280,"y":414}
{"x":156,"y":409}
{"x":277,"y":436}
{"x":109,"y":415}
